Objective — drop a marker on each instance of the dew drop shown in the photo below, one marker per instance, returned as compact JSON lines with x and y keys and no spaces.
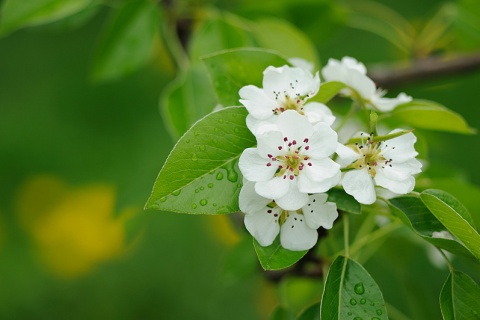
{"x":359,"y":288}
{"x":358,"y":318}
{"x":197,"y":191}
{"x":195,"y":133}
{"x":203,"y":202}
{"x":219,"y":176}
{"x":210,"y":185}
{"x":194,"y":157}
{"x":232,"y":176}
{"x":236,"y":130}
{"x":363,"y":301}
{"x":215,"y":129}
{"x":375,"y":318}
{"x":202,"y":188}
{"x":194,"y":206}
{"x":187,"y":141}
{"x":163,"y":199}
{"x":202,"y":148}
{"x":214,"y":204}
{"x":470,"y":231}
{"x":239,"y":185}
{"x":349,"y":313}
{"x":220,"y":120}
{"x":379,"y":312}
{"x":177,"y":192}
{"x":353,"y":302}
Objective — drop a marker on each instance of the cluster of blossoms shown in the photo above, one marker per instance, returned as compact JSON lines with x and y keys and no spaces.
{"x":287,"y":174}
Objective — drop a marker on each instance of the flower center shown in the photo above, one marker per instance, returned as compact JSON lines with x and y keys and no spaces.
{"x":294,"y":102}
{"x":281,"y":216}
{"x":290,"y":164}
{"x":371,"y":156}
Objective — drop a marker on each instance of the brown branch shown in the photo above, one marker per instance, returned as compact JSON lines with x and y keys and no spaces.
{"x":389,"y":76}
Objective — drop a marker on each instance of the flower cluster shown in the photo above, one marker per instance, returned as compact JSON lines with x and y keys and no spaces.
{"x":287,"y":174}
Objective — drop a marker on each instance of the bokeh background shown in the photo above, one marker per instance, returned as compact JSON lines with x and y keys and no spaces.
{"x":78,"y":159}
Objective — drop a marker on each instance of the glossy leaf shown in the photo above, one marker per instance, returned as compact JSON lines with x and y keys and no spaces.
{"x":21,"y":13}
{"x":311,"y":313}
{"x":454,"y":216}
{"x":127,"y":41}
{"x":231,"y":70}
{"x":201,"y":174}
{"x":327,"y":91}
{"x":429,"y":115}
{"x":275,"y":257}
{"x":219,"y":33}
{"x":344,"y":201}
{"x":285,"y":38}
{"x":350,"y":292}
{"x":413,"y":213}
{"x":186,"y":100}
{"x":460,"y":297}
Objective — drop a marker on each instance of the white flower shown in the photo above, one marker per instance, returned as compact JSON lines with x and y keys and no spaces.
{"x":284,"y":88}
{"x":354,"y":75}
{"x":265,"y":219}
{"x":302,"y":64}
{"x":292,"y":161}
{"x":390,"y":164}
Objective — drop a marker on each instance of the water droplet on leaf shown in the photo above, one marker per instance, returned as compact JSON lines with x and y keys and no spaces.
{"x":194,"y":206}
{"x":163,"y":199}
{"x":194,"y":157}
{"x":195,"y":133}
{"x":379,"y":312}
{"x":202,"y":148}
{"x":220,"y":120}
{"x":203,"y":202}
{"x":359,"y":288}
{"x":176,"y":192}
{"x":363,"y":301}
{"x":202,"y":188}
{"x":210,"y":185}
{"x":219,"y":176}
{"x":353,"y":302}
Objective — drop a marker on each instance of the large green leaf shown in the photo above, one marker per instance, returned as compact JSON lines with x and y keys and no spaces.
{"x":454,"y":216}
{"x":21,"y":13}
{"x":201,"y":174}
{"x":219,"y":33}
{"x":276,"y":257}
{"x":311,"y":313}
{"x":344,"y":201}
{"x":460,"y":297}
{"x":186,"y":100}
{"x":351,"y":293}
{"x":285,"y":38}
{"x":128,"y":40}
{"x":413,"y":213}
{"x":430,"y":115}
{"x":231,"y":70}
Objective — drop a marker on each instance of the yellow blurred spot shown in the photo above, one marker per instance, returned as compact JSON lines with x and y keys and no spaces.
{"x":74,"y":230}
{"x":222,"y":229}
{"x":267,"y":298}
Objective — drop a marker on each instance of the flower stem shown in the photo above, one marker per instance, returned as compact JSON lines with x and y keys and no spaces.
{"x":450,"y":267}
{"x":346,"y":230}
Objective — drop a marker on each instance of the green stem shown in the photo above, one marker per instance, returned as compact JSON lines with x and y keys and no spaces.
{"x":346,"y":231}
{"x":172,"y":41}
{"x":450,"y":267}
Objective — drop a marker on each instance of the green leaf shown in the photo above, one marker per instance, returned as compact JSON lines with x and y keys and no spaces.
{"x":429,"y":115}
{"x":231,"y":70}
{"x":240,"y":262}
{"x":327,"y":91}
{"x":413,"y":213}
{"x":276,"y":257}
{"x":186,"y":100}
{"x":201,"y":173}
{"x":219,"y":33}
{"x":350,"y":292}
{"x":128,"y":40}
{"x":280,"y":313}
{"x":311,"y":313}
{"x":21,"y":13}
{"x":460,"y":296}
{"x":285,"y":38}
{"x":454,"y":216}
{"x":344,"y":201}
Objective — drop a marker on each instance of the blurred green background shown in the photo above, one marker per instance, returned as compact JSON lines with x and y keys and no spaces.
{"x":79,"y":159}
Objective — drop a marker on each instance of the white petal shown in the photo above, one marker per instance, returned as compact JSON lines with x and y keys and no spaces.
{"x":274,"y":188}
{"x":318,"y":213}
{"x":294,"y":126}
{"x":296,"y":235}
{"x":293,"y":199}
{"x":254,"y":167}
{"x":263,"y":225}
{"x":388,"y":104}
{"x":359,"y":184}
{"x":361,"y":83}
{"x":302,"y":64}
{"x":400,"y":171}
{"x":323,"y":141}
{"x":257,"y":126}
{"x":334,"y":71}
{"x":268,"y":143}
{"x":309,"y":186}
{"x":257,"y":102}
{"x":290,"y":81}
{"x":346,"y":155}
{"x":352,"y":63}
{"x":321,"y":169}
{"x":400,"y":149}
{"x":318,"y":112}
{"x":397,"y":186}
{"x":249,"y":201}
